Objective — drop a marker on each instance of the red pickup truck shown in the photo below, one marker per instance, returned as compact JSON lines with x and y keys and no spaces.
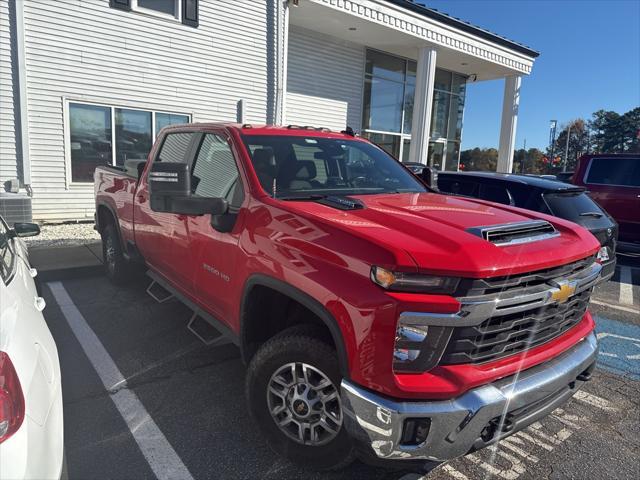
{"x":377,"y":318}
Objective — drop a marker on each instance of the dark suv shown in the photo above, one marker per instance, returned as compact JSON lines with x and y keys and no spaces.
{"x":542,"y":195}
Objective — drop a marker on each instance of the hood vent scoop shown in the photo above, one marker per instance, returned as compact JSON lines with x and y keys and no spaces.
{"x":342,"y":203}
{"x":516,"y":233}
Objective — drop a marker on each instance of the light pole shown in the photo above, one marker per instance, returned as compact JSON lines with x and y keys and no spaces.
{"x":552,"y":138}
{"x":566,"y":150}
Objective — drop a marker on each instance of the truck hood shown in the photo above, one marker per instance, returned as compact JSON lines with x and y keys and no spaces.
{"x":433,"y":229}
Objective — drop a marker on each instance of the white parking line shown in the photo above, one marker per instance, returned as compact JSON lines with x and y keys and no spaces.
{"x":594,"y":401}
{"x":163,"y":460}
{"x":626,"y":289}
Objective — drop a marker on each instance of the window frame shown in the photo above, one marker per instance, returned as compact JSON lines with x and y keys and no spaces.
{"x":69,"y":183}
{"x":177,"y":16}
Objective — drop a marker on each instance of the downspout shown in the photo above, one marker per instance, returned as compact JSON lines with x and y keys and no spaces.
{"x":282,"y":15}
{"x":285,"y":58}
{"x":22,"y":96}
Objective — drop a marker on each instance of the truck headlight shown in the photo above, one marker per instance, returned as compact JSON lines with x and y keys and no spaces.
{"x":413,"y":282}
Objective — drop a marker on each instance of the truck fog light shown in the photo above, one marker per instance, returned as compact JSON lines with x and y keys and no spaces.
{"x":603,"y":255}
{"x":415,"y":431}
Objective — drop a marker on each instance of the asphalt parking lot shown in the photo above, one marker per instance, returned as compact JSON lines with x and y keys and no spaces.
{"x":144,"y":398}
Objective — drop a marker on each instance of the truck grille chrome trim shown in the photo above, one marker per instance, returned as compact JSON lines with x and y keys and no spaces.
{"x":516,"y":233}
{"x":495,"y":325}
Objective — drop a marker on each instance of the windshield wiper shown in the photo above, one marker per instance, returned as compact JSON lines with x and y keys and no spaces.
{"x":591,"y":214}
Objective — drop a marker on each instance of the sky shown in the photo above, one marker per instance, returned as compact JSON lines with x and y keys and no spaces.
{"x":589,"y":60}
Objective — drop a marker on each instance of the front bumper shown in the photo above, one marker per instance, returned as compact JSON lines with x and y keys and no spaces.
{"x":608,"y":269}
{"x":478,"y":418}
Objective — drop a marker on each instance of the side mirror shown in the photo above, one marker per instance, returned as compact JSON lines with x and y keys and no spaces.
{"x":25,"y":230}
{"x":430,"y":177}
{"x":170,"y":192}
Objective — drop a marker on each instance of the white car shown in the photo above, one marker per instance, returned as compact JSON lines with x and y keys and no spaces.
{"x":31,"y":429}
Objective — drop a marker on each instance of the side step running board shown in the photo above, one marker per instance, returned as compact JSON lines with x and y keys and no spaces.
{"x":161,"y":294}
{"x":200,"y":322}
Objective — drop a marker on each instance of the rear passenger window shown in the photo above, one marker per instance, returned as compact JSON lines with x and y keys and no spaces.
{"x":214,"y":172}
{"x":457,"y":187}
{"x":615,"y":171}
{"x":175,"y":147}
{"x":494,"y":193}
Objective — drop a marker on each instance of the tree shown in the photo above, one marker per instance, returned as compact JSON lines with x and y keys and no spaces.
{"x":630,"y":126}
{"x":479,"y":159}
{"x":578,"y":133}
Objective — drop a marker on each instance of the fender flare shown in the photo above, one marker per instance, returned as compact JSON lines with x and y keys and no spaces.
{"x":115,"y":220}
{"x":304,"y":299}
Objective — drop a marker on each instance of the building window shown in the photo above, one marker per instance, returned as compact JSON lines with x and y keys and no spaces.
{"x":90,"y":140}
{"x":163,"y":7}
{"x":166,"y":119}
{"x":185,"y":11}
{"x":94,"y":131}
{"x":133,"y":135}
{"x":389,"y":92}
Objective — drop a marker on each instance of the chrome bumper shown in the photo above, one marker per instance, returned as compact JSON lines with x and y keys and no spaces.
{"x":478,"y":418}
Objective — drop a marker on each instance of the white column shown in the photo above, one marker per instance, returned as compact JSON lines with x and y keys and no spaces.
{"x":510,"y":104}
{"x":422,"y":105}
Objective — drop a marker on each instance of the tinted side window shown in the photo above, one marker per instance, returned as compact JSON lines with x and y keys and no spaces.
{"x":495,"y":193}
{"x":7,"y":256}
{"x":175,"y":147}
{"x":615,"y":171}
{"x":215,"y":173}
{"x":457,"y":187}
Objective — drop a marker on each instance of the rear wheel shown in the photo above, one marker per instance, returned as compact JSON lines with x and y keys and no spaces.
{"x":293,"y":390}
{"x":115,"y":265}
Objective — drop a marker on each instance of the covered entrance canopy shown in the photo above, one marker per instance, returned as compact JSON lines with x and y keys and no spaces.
{"x":399,"y":70}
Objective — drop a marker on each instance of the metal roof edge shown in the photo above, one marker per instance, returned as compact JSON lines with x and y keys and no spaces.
{"x":464,"y":26}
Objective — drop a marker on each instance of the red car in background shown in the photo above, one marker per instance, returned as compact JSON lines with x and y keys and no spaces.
{"x":613,"y":180}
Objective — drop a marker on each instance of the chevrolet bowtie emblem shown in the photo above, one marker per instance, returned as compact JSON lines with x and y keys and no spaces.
{"x":565,"y":290}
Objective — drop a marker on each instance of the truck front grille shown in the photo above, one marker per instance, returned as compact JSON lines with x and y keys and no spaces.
{"x":508,"y":315}
{"x":506,"y":335}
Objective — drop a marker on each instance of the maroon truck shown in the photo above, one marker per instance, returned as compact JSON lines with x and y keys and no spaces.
{"x":613,"y":180}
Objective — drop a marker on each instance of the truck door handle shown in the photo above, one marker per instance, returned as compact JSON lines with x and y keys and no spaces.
{"x":181,"y":217}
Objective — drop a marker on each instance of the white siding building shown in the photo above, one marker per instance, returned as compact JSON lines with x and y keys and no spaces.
{"x":87,"y":82}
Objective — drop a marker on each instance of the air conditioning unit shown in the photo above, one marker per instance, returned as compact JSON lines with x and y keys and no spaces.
{"x":15,"y":207}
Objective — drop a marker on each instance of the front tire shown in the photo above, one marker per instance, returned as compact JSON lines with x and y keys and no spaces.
{"x":293,"y":391}
{"x":115,"y":265}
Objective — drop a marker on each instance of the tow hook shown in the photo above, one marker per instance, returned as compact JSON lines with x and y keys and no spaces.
{"x":503,"y":424}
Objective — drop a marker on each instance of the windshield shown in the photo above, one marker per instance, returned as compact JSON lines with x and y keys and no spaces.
{"x":299,"y":167}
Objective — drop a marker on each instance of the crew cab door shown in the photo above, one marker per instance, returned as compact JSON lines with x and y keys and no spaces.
{"x":214,"y":239}
{"x":162,"y":238}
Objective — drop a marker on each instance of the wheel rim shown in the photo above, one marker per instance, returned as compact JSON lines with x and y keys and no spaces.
{"x":109,"y":253}
{"x":305,"y":404}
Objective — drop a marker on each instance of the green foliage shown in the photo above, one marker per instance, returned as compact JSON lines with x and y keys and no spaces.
{"x":606,"y":132}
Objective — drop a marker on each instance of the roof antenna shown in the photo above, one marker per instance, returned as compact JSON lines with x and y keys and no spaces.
{"x":349,"y":131}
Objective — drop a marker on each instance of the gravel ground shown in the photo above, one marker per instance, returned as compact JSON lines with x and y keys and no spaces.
{"x":64,"y":234}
